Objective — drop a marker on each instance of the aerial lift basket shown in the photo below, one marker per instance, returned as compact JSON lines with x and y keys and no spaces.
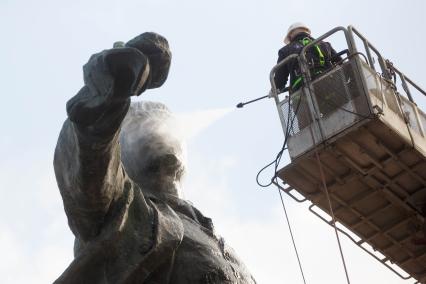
{"x":370,"y":141}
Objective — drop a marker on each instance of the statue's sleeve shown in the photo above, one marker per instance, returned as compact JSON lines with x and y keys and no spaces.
{"x":87,"y":160}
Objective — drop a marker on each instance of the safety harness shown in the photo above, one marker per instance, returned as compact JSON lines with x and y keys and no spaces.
{"x":305,"y":41}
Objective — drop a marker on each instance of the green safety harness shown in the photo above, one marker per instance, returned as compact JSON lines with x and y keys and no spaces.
{"x":321,"y":57}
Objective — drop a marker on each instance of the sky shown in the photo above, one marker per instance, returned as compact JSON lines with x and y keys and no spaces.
{"x":222,"y":54}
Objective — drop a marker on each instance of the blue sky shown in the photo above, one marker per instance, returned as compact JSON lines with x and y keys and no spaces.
{"x":222,"y":54}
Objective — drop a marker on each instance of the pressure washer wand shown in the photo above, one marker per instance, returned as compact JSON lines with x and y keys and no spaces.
{"x":240,"y":105}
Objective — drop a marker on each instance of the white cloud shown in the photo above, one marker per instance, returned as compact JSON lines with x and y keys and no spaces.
{"x":11,"y":253}
{"x":35,"y":241}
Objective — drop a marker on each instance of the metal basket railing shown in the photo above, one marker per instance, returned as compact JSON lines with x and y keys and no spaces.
{"x":354,"y":87}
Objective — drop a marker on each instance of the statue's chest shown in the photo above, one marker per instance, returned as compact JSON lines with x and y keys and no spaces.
{"x":204,"y":258}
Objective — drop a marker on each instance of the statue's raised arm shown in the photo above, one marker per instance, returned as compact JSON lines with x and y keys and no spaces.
{"x":87,"y":157}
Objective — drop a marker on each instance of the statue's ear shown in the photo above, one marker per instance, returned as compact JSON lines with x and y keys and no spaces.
{"x":156,"y":48}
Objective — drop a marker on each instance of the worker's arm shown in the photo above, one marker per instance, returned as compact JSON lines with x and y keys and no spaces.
{"x":281,"y":75}
{"x":335,"y":58}
{"x":87,"y":161}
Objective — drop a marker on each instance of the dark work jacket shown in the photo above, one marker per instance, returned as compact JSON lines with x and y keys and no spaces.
{"x":292,"y":68}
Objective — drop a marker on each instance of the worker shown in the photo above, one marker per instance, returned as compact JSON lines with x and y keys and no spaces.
{"x":321,"y":57}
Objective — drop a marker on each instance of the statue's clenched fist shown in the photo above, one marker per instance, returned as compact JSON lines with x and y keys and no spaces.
{"x":112,"y":76}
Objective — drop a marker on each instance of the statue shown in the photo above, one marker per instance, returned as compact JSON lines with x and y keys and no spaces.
{"x":119,"y":178}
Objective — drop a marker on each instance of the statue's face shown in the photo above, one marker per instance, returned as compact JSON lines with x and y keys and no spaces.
{"x":158,"y":154}
{"x":150,"y":156}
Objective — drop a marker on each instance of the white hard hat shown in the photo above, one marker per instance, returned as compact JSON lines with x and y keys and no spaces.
{"x":294,"y":27}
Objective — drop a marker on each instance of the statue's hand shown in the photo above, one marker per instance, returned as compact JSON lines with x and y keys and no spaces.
{"x":156,"y":48}
{"x":114,"y":75}
{"x":110,"y":78}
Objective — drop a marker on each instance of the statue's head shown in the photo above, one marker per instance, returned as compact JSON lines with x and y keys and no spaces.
{"x":151,"y":152}
{"x":156,"y":48}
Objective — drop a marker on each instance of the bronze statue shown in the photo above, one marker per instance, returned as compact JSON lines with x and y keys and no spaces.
{"x":119,"y":176}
